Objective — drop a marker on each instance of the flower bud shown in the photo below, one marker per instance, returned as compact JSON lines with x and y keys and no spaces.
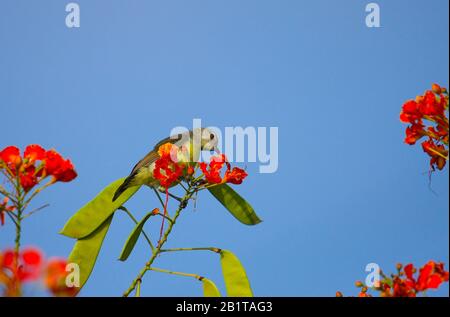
{"x":399,"y":266}
{"x":441,"y":163}
{"x":339,"y":294}
{"x":155,"y":211}
{"x":359,"y":284}
{"x":436,"y":89}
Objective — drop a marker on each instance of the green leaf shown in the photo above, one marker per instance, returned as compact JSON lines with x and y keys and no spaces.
{"x":95,"y":212}
{"x":236,"y":281}
{"x":132,"y":238}
{"x":235,"y":204}
{"x":209,"y":288}
{"x":86,"y":250}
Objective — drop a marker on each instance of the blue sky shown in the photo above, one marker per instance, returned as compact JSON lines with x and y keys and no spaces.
{"x":347,"y":192}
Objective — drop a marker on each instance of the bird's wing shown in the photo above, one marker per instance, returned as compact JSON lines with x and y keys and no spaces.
{"x":153,"y":155}
{"x":172,"y":139}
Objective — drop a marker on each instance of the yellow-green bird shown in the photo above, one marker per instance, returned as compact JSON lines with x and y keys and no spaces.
{"x":200,"y":139}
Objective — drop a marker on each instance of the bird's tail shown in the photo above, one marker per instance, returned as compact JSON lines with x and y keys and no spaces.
{"x":126,"y":183}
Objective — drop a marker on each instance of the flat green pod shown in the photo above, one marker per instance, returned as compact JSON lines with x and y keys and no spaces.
{"x":209,"y":288}
{"x":236,"y":280}
{"x":95,"y":212}
{"x":235,"y":204}
{"x":86,"y":250}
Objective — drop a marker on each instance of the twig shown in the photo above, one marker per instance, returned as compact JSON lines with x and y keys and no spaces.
{"x":136,"y":222}
{"x":159,"y":196}
{"x":141,"y":274}
{"x":35,"y":210}
{"x":212,"y":249}
{"x":196,"y":276}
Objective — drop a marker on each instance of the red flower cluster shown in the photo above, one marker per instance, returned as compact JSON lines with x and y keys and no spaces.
{"x":432,"y":106}
{"x":212,"y":171}
{"x":4,"y":208}
{"x":167,"y":168}
{"x":35,"y":165}
{"x":29,"y":266}
{"x":404,"y":284}
{"x":25,"y":266}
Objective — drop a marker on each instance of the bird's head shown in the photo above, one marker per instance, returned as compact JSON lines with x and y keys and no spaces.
{"x":209,"y":140}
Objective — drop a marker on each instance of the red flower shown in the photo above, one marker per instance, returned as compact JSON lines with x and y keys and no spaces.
{"x":167,"y":171}
{"x":431,"y":275}
{"x":410,"y":112}
{"x":212,"y":175}
{"x":235,"y":176}
{"x":28,"y":178}
{"x":62,"y":170}
{"x":431,"y":105}
{"x":34,"y":153}
{"x":11,"y":157}
{"x":28,"y":266}
{"x":414,"y":133}
{"x":66,"y":172}
{"x":29,"y":173}
{"x":402,"y":288}
{"x":55,"y":278}
{"x":4,"y":208}
{"x":53,"y":161}
{"x":436,"y":152}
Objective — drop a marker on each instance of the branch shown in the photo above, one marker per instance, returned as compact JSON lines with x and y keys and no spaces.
{"x":181,"y":206}
{"x":136,"y":222}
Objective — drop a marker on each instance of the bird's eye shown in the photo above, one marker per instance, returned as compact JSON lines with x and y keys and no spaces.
{"x":211,"y":136}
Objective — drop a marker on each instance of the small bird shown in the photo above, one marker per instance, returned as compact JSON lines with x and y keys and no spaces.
{"x":142,"y":173}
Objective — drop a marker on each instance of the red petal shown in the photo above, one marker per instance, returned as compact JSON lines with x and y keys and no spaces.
{"x":53,"y":161}
{"x":10,"y":155}
{"x":8,"y":259}
{"x":34,"y":152}
{"x":31,"y":256}
{"x":434,"y":281}
{"x":409,"y":271}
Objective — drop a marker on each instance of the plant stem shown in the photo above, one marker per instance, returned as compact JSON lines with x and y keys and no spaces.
{"x":159,"y":196}
{"x":165,"y":217}
{"x":17,"y":240}
{"x":12,"y":217}
{"x":35,"y":210}
{"x":20,"y":209}
{"x":136,"y":222}
{"x":198,"y":277}
{"x":138,"y":288}
{"x":212,"y":249}
{"x":141,"y":274}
